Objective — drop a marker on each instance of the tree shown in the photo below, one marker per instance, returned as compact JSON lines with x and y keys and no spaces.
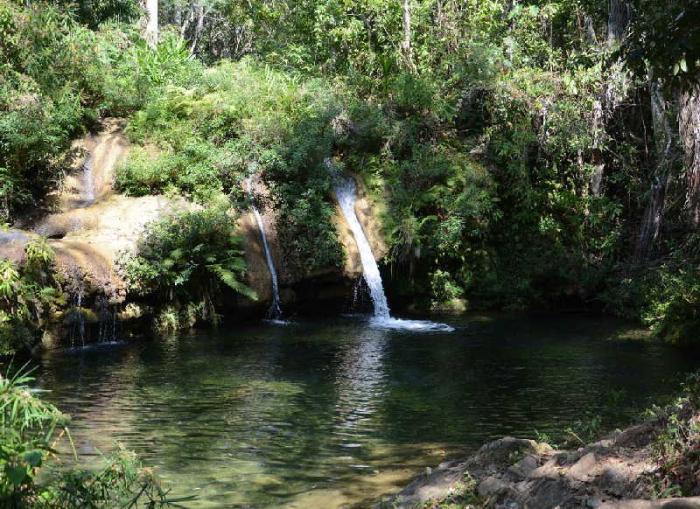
{"x":151,"y":28}
{"x":665,"y":39}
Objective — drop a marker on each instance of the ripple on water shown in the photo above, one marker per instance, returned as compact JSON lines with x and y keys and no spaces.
{"x":318,"y":415}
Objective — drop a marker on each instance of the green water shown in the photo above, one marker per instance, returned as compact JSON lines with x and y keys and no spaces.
{"x":332,"y":414}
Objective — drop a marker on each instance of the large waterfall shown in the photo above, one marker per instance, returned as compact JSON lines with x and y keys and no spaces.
{"x":275,"y":311}
{"x":345,"y":192}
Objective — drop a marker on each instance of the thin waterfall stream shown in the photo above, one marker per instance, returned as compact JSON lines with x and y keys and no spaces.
{"x":346,"y":193}
{"x":89,"y":180}
{"x":275,"y":311}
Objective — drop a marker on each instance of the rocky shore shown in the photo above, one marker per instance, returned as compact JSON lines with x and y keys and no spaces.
{"x":626,"y":470}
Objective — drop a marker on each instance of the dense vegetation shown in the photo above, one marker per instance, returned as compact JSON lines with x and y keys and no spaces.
{"x":31,"y":431}
{"x":28,"y":296}
{"x":531,"y":153}
{"x":183,"y":262}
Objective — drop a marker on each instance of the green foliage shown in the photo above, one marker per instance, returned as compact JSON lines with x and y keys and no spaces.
{"x":188,"y":259}
{"x":30,"y":430}
{"x":665,"y":38}
{"x":57,"y":77}
{"x":28,"y":296}
{"x":28,"y":426}
{"x":676,"y":445}
{"x":240,"y":120}
{"x":666,"y":298}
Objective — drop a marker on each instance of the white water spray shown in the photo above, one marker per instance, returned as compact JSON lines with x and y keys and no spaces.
{"x":345,"y":192}
{"x":275,"y":311}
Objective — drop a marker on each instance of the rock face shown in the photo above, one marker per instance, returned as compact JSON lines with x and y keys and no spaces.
{"x":613,"y":473}
{"x":90,"y":225}
{"x":368,"y":216}
{"x":331,"y":285}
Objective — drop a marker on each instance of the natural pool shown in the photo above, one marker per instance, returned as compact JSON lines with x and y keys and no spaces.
{"x":336,"y":413}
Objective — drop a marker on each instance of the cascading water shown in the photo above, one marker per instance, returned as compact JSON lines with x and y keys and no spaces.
{"x":89,"y":181}
{"x":345,"y":192}
{"x":275,"y":311}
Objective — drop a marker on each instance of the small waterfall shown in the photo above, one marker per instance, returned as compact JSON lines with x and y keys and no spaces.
{"x":77,"y":319}
{"x":346,"y":192}
{"x":275,"y":311}
{"x":107,"y":326}
{"x":89,"y":180}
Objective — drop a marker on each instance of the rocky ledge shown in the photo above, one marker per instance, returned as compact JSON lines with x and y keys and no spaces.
{"x":621,"y":471}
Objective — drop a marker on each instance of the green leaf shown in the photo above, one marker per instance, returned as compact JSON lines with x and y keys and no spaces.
{"x":16,"y":474}
{"x":33,"y":458}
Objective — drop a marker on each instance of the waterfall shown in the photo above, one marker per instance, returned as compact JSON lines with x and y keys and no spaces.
{"x":345,"y":192}
{"x":89,"y":181}
{"x":275,"y":311}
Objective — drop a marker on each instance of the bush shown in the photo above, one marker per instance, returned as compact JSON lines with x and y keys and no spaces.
{"x":28,"y":296}
{"x":188,"y":259}
{"x":244,"y":119}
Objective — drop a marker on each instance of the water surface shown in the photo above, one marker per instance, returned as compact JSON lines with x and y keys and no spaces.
{"x":333,"y":414}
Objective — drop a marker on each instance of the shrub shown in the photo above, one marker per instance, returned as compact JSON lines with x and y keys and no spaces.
{"x":188,"y":258}
{"x":28,"y":296}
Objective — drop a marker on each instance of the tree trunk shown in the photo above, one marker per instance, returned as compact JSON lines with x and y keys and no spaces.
{"x":610,"y":96}
{"x":619,"y":15}
{"x":663,"y":144}
{"x":151,"y":30}
{"x":406,"y":43}
{"x":596,"y":182}
{"x":689,"y":130}
{"x":177,"y":14}
{"x":199,"y":27}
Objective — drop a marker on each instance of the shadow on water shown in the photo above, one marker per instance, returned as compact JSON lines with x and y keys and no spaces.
{"x":325,"y":414}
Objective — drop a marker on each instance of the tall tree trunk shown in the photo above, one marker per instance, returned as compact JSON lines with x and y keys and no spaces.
{"x":618,"y":20}
{"x":199,"y":27}
{"x":619,"y":15}
{"x":177,"y":14}
{"x":689,"y":130}
{"x":406,"y":43}
{"x":663,"y":145}
{"x":151,"y":30}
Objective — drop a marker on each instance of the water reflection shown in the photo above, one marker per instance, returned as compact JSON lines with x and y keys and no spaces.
{"x":320,"y":415}
{"x":359,"y":383}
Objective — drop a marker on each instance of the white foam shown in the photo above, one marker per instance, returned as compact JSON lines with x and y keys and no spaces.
{"x":410,"y":325}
